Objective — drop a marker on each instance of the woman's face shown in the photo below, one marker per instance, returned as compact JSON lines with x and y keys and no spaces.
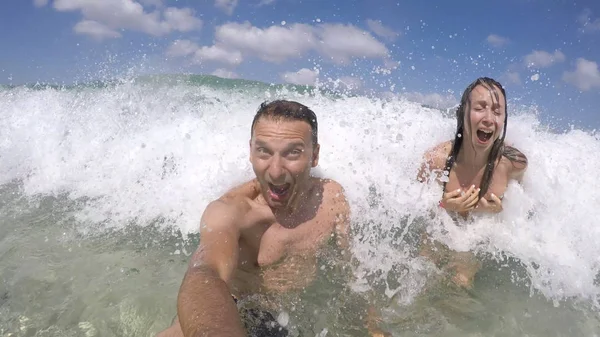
{"x":484,"y":120}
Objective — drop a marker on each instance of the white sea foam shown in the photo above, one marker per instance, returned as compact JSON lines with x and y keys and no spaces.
{"x":142,"y":151}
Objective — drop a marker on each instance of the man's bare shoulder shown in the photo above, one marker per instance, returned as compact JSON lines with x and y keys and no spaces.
{"x":334,"y":201}
{"x":336,"y":209}
{"x":332,"y":190}
{"x":249,"y":189}
{"x":225,"y":213}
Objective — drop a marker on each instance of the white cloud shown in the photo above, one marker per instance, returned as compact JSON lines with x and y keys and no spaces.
{"x":585,"y":76}
{"x":265,"y":2}
{"x":129,"y":14}
{"x":587,"y":24}
{"x":235,"y":41}
{"x":278,"y":43}
{"x":434,"y":100}
{"x":182,"y":48}
{"x":341,"y":42}
{"x":181,"y":19}
{"x":95,"y":29}
{"x":40,"y":3}
{"x":497,"y":41}
{"x":303,"y":76}
{"x":543,"y":59}
{"x":218,"y":54}
{"x":349,"y":83}
{"x":227,"y":6}
{"x":225,"y":73}
{"x":273,"y":44}
{"x":512,"y":77}
{"x":379,"y":29}
{"x":155,"y":3}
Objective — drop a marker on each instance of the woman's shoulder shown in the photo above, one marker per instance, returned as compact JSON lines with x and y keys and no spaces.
{"x":515,"y":160}
{"x":436,"y":156}
{"x":434,"y":160}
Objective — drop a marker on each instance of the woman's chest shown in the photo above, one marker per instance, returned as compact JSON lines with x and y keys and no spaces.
{"x":463,"y":179}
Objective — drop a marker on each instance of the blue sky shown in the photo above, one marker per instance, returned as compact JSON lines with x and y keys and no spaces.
{"x":546,"y":53}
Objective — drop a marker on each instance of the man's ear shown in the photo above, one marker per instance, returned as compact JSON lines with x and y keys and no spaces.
{"x":315,"y":158}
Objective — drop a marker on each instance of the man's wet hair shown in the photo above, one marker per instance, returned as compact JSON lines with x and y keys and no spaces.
{"x":287,"y":110}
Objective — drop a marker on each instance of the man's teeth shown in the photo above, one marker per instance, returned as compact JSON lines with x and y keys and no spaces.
{"x":279,"y":188}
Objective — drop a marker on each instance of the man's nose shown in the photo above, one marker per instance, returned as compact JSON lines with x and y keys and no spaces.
{"x":275,"y":171}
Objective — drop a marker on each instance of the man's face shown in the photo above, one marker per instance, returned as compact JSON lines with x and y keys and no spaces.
{"x":282,"y":153}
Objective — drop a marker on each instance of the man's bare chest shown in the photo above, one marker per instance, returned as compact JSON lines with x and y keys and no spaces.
{"x":279,"y":243}
{"x":283,"y":258}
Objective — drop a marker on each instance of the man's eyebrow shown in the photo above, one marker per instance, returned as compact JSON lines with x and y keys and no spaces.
{"x":259,"y":143}
{"x":290,"y":145}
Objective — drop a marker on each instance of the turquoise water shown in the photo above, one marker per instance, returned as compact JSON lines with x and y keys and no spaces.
{"x":102,"y":187}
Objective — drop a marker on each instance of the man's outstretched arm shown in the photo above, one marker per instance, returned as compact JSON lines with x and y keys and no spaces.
{"x":204,"y":304}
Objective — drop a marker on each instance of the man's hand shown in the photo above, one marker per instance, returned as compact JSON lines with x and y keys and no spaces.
{"x":458,"y":201}
{"x":493,"y":205}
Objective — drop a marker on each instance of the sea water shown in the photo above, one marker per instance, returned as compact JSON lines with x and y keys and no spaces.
{"x":102,"y":187}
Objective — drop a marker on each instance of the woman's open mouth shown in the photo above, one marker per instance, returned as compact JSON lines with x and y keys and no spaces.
{"x":484,"y":135}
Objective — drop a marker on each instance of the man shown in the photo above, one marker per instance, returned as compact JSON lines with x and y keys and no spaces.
{"x":262,"y":236}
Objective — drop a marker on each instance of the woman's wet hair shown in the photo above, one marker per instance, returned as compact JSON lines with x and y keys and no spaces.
{"x":287,"y":110}
{"x":498,"y":148}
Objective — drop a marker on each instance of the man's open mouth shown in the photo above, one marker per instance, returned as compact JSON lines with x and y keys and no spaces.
{"x":484,"y":135}
{"x":279,"y":191}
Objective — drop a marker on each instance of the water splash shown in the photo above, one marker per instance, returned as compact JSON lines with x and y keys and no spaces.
{"x":138,"y":151}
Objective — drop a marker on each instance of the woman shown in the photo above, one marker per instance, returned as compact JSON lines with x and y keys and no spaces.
{"x":476,"y":167}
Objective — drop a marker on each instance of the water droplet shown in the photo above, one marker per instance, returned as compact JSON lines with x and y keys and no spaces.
{"x":283,"y":318}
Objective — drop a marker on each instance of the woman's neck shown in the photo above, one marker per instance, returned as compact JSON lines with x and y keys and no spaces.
{"x":471,"y":157}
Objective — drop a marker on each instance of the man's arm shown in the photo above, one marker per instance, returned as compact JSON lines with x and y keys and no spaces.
{"x":204,"y":304}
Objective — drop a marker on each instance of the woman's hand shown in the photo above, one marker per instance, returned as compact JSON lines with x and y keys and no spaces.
{"x":494,"y":205}
{"x":459,"y":201}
